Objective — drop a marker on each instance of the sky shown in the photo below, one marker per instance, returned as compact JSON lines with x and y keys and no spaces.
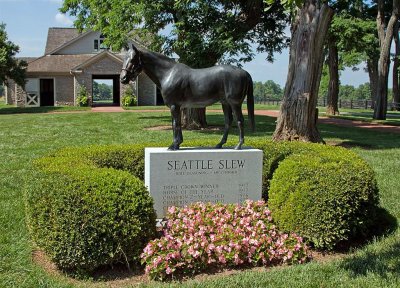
{"x":27,"y":23}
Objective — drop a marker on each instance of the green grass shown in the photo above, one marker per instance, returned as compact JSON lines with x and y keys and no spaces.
{"x":24,"y":137}
{"x":11,"y":109}
{"x":212,"y":107}
{"x":161,"y":107}
{"x":392,"y":117}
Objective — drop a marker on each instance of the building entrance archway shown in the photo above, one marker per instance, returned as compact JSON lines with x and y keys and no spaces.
{"x":105,"y":90}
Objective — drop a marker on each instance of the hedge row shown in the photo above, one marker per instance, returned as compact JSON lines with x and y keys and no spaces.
{"x":89,"y":206}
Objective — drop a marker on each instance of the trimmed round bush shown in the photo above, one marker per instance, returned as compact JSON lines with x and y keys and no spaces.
{"x":327,"y":195}
{"x":85,"y":214}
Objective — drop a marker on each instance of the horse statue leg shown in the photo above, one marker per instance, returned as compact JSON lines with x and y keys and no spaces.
{"x":237,"y":111}
{"x":176,"y":127}
{"x":228,"y":123}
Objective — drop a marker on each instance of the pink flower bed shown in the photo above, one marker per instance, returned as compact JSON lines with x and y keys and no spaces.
{"x":203,"y":236}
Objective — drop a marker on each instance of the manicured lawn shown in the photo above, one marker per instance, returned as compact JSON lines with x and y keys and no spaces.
{"x":216,"y":106}
{"x":11,"y":109}
{"x":24,"y":137}
{"x":7,"y":109}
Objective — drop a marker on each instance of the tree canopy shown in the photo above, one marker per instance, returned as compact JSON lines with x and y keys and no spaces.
{"x":267,"y":90}
{"x":102,"y":91}
{"x":10,"y":68}
{"x":199,"y":32}
{"x":356,"y":39}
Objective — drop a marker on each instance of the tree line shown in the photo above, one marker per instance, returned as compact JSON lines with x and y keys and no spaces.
{"x":102,"y":91}
{"x":269,"y":90}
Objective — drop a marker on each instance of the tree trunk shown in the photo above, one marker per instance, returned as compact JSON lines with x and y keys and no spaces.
{"x":385,"y":40}
{"x":194,"y":118}
{"x":372,"y":67}
{"x":333,"y":88}
{"x":298,"y":113}
{"x":396,"y":92}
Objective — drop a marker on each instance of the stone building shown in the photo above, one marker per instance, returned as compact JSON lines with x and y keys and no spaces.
{"x":72,"y":60}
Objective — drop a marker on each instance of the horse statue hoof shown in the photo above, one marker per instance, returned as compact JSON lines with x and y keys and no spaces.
{"x":173,"y":147}
{"x":218,"y":146}
{"x":238,"y":147}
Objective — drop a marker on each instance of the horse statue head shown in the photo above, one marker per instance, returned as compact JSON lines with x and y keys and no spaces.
{"x":132,"y":66}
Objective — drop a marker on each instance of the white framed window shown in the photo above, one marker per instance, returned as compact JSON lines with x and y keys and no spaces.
{"x":96,"y":45}
{"x":101,"y":41}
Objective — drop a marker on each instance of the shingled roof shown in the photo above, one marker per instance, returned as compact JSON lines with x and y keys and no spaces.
{"x":61,"y":63}
{"x":27,"y":59}
{"x":56,"y":37}
{"x":57,"y":63}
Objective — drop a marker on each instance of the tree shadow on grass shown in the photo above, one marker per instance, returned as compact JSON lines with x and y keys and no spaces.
{"x":264,"y":126}
{"x":352,"y":137}
{"x":381,"y":263}
{"x":44,"y":109}
{"x":151,"y":116}
{"x":353,"y":144}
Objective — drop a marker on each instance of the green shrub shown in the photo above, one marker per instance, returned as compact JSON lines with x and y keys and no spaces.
{"x":86,"y":214}
{"x":326,"y":195}
{"x":83,"y":97}
{"x":121,"y":157}
{"x":129,"y":99}
{"x":79,"y":212}
{"x":276,"y":152}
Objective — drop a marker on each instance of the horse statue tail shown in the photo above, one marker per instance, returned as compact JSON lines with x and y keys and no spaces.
{"x":250,"y":103}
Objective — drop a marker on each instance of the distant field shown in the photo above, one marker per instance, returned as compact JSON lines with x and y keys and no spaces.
{"x":392,"y":117}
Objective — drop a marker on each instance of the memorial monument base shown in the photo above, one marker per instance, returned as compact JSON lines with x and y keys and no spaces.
{"x":178,"y":178}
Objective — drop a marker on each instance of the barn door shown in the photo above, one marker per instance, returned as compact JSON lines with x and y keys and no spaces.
{"x":32,"y":92}
{"x":46,"y":92}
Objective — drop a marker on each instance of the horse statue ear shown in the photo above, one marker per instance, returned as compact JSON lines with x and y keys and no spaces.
{"x":133,"y":47}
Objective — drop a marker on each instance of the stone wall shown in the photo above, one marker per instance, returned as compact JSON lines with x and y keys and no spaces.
{"x":84,"y":80}
{"x":147,"y":91}
{"x":64,"y":89}
{"x":122,"y":91}
{"x":20,"y":96}
{"x":104,"y":66}
{"x":9,"y":92}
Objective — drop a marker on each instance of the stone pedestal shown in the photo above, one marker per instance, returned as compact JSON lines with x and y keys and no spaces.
{"x":178,"y":178}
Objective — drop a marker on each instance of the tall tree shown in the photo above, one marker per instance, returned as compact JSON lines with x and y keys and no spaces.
{"x":298,"y":114}
{"x":202,"y":33}
{"x":333,"y":86}
{"x":396,"y":66}
{"x":10,"y":68}
{"x":385,"y":34}
{"x":352,"y":40}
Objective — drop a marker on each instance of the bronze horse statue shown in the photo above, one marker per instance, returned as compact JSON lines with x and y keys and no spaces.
{"x":184,"y":87}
